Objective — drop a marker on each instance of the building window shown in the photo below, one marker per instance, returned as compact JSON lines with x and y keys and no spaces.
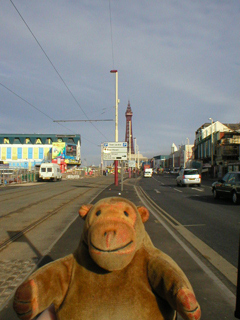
{"x":19,"y":153}
{"x":30,"y":153}
{"x":9,"y":153}
{"x":41,"y":153}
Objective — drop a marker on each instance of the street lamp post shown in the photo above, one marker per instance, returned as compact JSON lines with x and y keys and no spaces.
{"x":187,"y":153}
{"x":138,"y":158}
{"x":116,"y":124}
{"x":172,"y":151}
{"x":211,"y":141}
{"x":135,"y":148}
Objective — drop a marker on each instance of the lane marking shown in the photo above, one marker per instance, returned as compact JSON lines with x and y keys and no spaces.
{"x":226,"y":268}
{"x":158,"y":181}
{"x":177,"y":190}
{"x":157,"y":191}
{"x":194,"y":225}
{"x":201,"y":190}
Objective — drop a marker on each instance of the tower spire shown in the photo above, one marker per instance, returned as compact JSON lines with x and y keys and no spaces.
{"x":129,"y":135}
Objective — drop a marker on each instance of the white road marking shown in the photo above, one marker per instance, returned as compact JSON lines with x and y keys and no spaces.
{"x":194,"y":225}
{"x":177,"y":190}
{"x":201,"y":190}
{"x":228,"y":270}
{"x":157,"y":191}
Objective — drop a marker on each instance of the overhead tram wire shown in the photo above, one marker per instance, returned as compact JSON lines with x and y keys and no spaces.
{"x":82,"y":120}
{"x":55,"y":69}
{"x":31,"y":105}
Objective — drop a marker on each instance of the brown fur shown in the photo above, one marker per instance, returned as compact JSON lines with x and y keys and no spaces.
{"x":116,"y":273}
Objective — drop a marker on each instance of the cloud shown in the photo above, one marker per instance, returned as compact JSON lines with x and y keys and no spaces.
{"x":178,"y":65}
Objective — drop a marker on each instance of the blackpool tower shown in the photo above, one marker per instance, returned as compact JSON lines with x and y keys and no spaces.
{"x":129,"y":135}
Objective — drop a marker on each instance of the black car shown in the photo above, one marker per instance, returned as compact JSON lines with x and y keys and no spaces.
{"x":228,"y":187}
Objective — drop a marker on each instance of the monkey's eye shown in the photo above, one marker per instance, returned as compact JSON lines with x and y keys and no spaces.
{"x":126,"y":214}
{"x":98,"y":213}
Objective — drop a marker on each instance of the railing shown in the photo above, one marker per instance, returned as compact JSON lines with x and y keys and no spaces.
{"x":18,"y":176}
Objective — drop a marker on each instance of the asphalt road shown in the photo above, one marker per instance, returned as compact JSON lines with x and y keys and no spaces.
{"x":56,"y":236}
{"x":215,"y":222}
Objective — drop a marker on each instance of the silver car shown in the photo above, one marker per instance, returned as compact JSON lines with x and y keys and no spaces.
{"x":188,"y":176}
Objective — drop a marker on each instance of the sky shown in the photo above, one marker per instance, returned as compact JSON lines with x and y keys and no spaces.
{"x":178,"y":65}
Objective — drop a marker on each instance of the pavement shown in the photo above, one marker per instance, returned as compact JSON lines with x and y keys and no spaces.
{"x":215,"y":295}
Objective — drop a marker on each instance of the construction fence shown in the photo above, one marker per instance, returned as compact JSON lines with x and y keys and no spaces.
{"x":19,"y":176}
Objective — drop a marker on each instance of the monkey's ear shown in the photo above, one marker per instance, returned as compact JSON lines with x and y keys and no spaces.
{"x":83,"y":211}
{"x":144,"y":213}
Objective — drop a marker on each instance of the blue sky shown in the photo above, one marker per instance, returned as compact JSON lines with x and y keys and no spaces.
{"x":178,"y":64}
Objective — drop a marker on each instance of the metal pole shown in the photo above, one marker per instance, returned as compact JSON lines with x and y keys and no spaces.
{"x":138,"y":157}
{"x":116,"y":125}
{"x":121,"y":175}
{"x":211,"y":140}
{"x":135,"y":156}
{"x":101,"y":159}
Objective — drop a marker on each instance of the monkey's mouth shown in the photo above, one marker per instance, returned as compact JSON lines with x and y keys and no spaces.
{"x":112,"y":250}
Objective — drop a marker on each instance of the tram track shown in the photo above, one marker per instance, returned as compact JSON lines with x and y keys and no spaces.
{"x":37,"y":222}
{"x":43,"y":209}
{"x":19,"y":210}
{"x":18,"y":194}
{"x":34,"y":204}
{"x":22,"y":192}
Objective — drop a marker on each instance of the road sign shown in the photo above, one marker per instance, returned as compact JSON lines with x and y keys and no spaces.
{"x":131,"y":164}
{"x":114,"y":151}
{"x":115,"y":144}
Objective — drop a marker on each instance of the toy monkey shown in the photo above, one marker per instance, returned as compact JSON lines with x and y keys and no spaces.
{"x":116,"y":273}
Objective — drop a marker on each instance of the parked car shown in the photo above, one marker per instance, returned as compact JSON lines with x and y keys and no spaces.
{"x":175,"y":170}
{"x":188,"y":176}
{"x":228,"y":187}
{"x":166,"y":170}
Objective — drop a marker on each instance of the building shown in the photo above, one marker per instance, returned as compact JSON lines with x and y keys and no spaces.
{"x":180,"y":157}
{"x":28,"y":150}
{"x":217,"y":145}
{"x":160,"y":161}
{"x":216,"y":150}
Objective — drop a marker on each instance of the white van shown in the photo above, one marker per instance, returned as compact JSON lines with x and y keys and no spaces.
{"x":148,"y":172}
{"x":50,"y":171}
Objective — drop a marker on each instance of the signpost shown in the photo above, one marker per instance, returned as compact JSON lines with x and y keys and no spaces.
{"x":114,"y":151}
{"x":131,"y":163}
